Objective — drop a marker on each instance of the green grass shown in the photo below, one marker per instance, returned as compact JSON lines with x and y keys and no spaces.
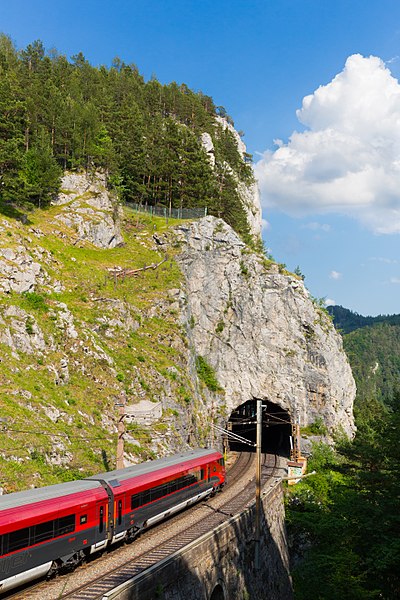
{"x":207,"y":374}
{"x":140,"y":352}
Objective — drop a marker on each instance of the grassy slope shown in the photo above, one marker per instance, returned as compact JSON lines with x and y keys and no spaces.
{"x":84,"y":435}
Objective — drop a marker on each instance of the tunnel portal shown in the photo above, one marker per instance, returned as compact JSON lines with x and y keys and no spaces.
{"x":276,"y":428}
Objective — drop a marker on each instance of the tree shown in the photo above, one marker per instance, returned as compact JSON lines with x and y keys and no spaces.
{"x":40,"y":175}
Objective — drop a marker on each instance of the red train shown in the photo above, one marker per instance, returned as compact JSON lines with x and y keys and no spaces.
{"x":47,"y":530}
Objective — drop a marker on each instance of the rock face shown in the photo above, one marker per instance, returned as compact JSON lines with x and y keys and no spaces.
{"x":89,"y":209}
{"x":260,"y":330}
{"x":18,"y":271}
{"x":249,"y":194}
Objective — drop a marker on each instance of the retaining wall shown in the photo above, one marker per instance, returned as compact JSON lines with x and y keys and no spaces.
{"x":220,"y":565}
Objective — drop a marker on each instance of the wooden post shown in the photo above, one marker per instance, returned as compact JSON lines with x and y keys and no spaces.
{"x":121,"y":433}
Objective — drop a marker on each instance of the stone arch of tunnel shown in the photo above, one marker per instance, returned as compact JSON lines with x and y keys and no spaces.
{"x":276,"y":428}
{"x":218,"y":593}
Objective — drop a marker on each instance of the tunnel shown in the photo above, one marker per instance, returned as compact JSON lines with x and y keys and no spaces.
{"x":218,"y":593}
{"x":276,"y":428}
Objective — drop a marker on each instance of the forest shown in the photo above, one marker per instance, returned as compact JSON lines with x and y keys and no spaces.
{"x":58,"y":114}
{"x":345,"y":520}
{"x":346,"y":320}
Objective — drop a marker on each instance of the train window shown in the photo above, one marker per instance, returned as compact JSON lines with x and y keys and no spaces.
{"x":64,"y":525}
{"x":18,"y":539}
{"x":101,"y":519}
{"x":159,"y":492}
{"x":43,"y":532}
{"x":83,"y":519}
{"x":146,"y":496}
{"x":136,"y":501}
{"x":202,"y":474}
{"x":1,"y":545}
{"x":119,"y":516}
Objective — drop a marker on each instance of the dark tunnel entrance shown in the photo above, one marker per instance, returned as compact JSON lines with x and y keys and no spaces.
{"x":276,"y":428}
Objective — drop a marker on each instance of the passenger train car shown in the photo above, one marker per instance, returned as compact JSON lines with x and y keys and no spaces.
{"x":52,"y":529}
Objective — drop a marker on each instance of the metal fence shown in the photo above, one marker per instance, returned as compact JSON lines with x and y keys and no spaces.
{"x":170,"y":213}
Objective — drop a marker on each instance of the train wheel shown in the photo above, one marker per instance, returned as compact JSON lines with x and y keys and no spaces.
{"x":54,"y":569}
{"x":132,"y":534}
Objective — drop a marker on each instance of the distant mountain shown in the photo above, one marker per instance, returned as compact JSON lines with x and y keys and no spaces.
{"x":346,"y":320}
{"x":372,"y":345}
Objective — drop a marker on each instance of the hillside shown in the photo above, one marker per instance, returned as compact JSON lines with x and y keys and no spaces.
{"x":373,"y":347}
{"x":81,"y":342}
{"x":374,"y":354}
{"x":346,"y":320}
{"x":158,"y":144}
{"x":177,"y":322}
{"x":344,"y":521}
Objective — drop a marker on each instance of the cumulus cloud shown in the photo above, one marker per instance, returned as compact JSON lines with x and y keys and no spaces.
{"x":335,"y":275}
{"x":265,"y":225}
{"x":347,"y":161}
{"x":315,"y":226}
{"x":330,"y":302}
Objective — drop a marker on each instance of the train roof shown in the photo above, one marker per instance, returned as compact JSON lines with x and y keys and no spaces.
{"x":49,"y":492}
{"x":60,"y":490}
{"x":114,"y":477}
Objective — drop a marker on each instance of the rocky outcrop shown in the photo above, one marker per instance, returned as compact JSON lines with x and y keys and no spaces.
{"x":248,"y":193}
{"x":88,"y":208}
{"x":207,"y":143}
{"x":260,"y":331}
{"x":19,"y":330}
{"x":20,"y":270}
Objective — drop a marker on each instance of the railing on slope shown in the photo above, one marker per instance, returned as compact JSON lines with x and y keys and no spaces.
{"x":169,"y":213}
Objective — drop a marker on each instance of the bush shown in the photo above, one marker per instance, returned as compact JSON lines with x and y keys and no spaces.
{"x":207,"y":374}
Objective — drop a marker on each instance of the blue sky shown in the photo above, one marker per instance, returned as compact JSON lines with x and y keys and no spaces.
{"x":329,"y":192}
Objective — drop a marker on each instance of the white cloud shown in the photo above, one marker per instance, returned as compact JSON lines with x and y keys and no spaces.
{"x":382,"y":259}
{"x":265,"y":225}
{"x":330,"y":302}
{"x":315,"y":226}
{"x":335,"y":275}
{"x":395,"y":280}
{"x":347,"y":161}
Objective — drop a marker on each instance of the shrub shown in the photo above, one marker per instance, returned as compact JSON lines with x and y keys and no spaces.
{"x":35,"y":301}
{"x":207,"y":374}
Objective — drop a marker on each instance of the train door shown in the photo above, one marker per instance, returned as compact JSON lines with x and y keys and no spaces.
{"x":119,"y":519}
{"x":100,"y":526}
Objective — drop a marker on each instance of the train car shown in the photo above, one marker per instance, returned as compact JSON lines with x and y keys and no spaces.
{"x":144,"y":494}
{"x":50,"y":529}
{"x":47,"y":530}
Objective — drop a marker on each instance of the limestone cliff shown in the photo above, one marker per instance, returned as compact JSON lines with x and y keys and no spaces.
{"x":260,"y":330}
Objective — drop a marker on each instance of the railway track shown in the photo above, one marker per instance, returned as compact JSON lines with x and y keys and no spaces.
{"x":92,"y":580}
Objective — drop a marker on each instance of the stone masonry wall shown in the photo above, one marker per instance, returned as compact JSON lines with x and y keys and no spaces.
{"x":224,"y":560}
